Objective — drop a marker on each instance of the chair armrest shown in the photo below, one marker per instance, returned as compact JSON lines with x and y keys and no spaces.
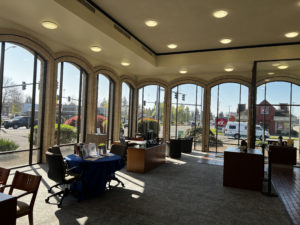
{"x":5,"y":186}
{"x":27,"y":193}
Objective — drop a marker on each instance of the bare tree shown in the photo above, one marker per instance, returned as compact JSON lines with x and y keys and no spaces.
{"x":12,"y":99}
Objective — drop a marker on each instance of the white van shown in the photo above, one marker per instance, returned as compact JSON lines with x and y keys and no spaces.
{"x":232,"y":129}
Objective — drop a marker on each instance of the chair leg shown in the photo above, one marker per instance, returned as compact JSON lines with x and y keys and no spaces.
{"x":50,"y":189}
{"x":30,"y":218}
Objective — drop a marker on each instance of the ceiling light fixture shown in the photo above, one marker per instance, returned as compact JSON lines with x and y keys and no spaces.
{"x":267,"y":80}
{"x":276,"y":64}
{"x":220,"y":14}
{"x":151,"y":23}
{"x":183,"y":71}
{"x":125,"y":63}
{"x":271,"y":73}
{"x":229,"y":69}
{"x":172,"y":46}
{"x":49,"y":25}
{"x":291,"y":34}
{"x":95,"y":48}
{"x":282,"y":67}
{"x":225,"y":41}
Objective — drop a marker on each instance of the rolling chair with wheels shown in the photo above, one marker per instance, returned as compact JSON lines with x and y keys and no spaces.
{"x":120,"y":150}
{"x":58,"y":172}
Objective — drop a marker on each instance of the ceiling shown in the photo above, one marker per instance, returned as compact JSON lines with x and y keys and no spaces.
{"x":189,"y":24}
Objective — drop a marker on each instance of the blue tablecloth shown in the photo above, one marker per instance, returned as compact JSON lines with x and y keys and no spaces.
{"x":96,"y":173}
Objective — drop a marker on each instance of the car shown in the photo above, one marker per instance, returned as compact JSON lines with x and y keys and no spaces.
{"x":232,"y":129}
{"x":19,"y":121}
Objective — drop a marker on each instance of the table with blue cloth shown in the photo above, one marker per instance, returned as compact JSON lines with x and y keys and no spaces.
{"x":95,"y":173}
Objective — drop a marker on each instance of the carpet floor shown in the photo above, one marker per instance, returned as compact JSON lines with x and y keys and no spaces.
{"x":183,"y":191}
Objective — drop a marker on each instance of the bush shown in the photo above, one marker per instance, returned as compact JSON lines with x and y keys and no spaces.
{"x":7,"y":145}
{"x":67,"y":134}
{"x":196,"y":133}
{"x":146,"y":124}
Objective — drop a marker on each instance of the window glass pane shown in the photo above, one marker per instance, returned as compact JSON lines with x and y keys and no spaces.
{"x":260,"y":95}
{"x":229,"y":116}
{"x":17,"y":96}
{"x":150,"y":111}
{"x":187,"y":94}
{"x":161,"y":111}
{"x":70,"y":103}
{"x":278,"y":92}
{"x":296,"y":94}
{"x":125,"y":109}
{"x":102,"y":104}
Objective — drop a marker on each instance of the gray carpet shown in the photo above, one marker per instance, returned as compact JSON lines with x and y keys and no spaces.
{"x":179,"y":192}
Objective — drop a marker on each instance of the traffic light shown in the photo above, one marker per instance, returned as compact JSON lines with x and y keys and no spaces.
{"x":176,"y":95}
{"x":23,"y":85}
{"x":183,"y":97}
{"x":69,"y":98}
{"x":144,"y":103}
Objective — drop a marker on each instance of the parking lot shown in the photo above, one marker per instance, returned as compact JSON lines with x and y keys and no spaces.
{"x":19,"y":136}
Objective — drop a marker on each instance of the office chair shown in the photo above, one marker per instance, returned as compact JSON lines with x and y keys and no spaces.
{"x":120,"y":150}
{"x":4,"y":173}
{"x":175,"y":151}
{"x":55,"y":149}
{"x":58,"y":172}
{"x":29,"y":184}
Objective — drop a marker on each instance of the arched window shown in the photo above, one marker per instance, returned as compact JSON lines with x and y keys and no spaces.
{"x":186,"y":113}
{"x":228,"y":116}
{"x":105,"y":106}
{"x":278,"y":111}
{"x":126,"y":110}
{"x":21,"y":83}
{"x":150,"y":112}
{"x":70,"y":107}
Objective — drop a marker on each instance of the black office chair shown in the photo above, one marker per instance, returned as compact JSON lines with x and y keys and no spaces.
{"x":55,"y":149}
{"x":120,"y":150}
{"x":175,"y":148}
{"x":58,"y":172}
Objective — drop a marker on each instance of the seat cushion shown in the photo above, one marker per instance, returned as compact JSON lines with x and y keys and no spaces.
{"x":22,"y":208}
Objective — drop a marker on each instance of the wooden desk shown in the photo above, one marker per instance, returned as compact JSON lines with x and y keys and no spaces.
{"x":141,"y":160}
{"x":243,"y":170}
{"x":283,"y":155}
{"x":8,"y":209}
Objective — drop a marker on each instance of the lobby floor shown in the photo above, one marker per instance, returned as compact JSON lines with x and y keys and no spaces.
{"x":286,"y":181}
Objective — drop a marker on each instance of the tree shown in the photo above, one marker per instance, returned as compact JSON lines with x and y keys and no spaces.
{"x":12,"y":98}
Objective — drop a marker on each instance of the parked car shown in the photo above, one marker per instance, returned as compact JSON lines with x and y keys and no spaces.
{"x":232,"y":129}
{"x":19,"y":121}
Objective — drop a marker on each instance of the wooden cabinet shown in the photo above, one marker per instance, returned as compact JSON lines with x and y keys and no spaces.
{"x":283,"y":155}
{"x":243,"y":170}
{"x":8,"y":207}
{"x":141,"y":160}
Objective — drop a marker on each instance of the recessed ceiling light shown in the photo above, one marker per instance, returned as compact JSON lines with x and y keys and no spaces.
{"x":291,"y":34}
{"x":267,"y":80}
{"x":225,"y":41}
{"x":271,"y":73}
{"x":49,"y":25}
{"x":276,"y":64}
{"x":125,"y":63}
{"x":228,"y":69}
{"x":151,"y":23}
{"x":183,"y":71}
{"x":220,"y":13}
{"x":298,"y":3}
{"x":282,"y":67}
{"x":172,"y":46}
{"x":96,"y":48}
